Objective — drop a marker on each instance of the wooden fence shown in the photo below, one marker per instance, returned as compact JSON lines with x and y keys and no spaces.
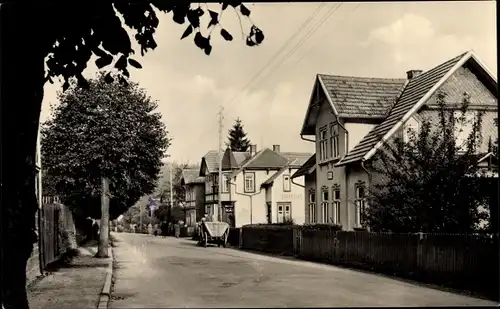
{"x":57,"y":234}
{"x":466,"y":260}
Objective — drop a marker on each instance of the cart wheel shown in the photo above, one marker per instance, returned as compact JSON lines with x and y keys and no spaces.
{"x":205,"y":240}
{"x":218,"y":243}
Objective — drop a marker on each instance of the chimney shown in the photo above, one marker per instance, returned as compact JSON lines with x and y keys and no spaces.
{"x":253,"y":149}
{"x":276,"y":148}
{"x":413,"y":73}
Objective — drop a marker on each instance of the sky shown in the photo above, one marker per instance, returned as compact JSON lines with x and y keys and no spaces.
{"x":301,"y":40}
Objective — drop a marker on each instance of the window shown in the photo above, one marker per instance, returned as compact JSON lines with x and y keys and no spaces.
{"x":312,"y":206}
{"x":226,"y":183}
{"x":336,"y":204}
{"x":312,"y":212}
{"x":312,"y":197}
{"x":410,"y":130}
{"x":324,"y":205}
{"x":286,"y":183}
{"x":464,"y":125}
{"x":209,"y":210}
{"x":323,"y":141}
{"x":360,"y":204}
{"x":334,"y":141}
{"x":249,"y":182}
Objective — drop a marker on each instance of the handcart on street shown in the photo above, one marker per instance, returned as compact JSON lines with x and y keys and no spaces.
{"x":213,"y":233}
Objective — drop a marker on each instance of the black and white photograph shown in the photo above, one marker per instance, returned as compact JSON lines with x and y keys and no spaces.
{"x":179,"y":154}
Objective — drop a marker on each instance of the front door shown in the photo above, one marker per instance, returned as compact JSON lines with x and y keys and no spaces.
{"x":228,"y":214}
{"x":284,"y":212}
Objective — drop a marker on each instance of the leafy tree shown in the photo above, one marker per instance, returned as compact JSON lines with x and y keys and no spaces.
{"x":426,"y":183}
{"x":107,"y":130}
{"x":237,"y":137}
{"x":163,"y":187}
{"x":64,"y":36}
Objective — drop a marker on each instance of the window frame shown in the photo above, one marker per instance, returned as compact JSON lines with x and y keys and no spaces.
{"x":334,"y":141}
{"x":245,"y":188}
{"x":336,"y":204}
{"x":312,"y":212}
{"x":324,"y":212}
{"x":287,"y":182}
{"x":312,"y":197}
{"x":323,"y":143}
{"x":360,"y":204}
{"x":226,"y":182}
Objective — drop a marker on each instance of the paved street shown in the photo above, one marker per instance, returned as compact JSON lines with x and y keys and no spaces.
{"x":168,"y":272}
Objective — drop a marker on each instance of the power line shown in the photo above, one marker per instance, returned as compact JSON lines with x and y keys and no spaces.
{"x":312,"y":47}
{"x":301,"y":42}
{"x":277,"y":53}
{"x":290,"y":39}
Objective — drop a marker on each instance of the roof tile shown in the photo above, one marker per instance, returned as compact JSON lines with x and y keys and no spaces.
{"x":413,"y":92}
{"x":361,"y":96}
{"x":306,"y":167}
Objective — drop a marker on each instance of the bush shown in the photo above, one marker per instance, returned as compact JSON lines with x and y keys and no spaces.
{"x":321,"y":226}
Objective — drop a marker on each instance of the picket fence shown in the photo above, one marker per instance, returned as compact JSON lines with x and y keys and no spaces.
{"x":439,"y":258}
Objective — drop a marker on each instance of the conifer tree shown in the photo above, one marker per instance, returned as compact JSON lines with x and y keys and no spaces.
{"x":237,"y":137}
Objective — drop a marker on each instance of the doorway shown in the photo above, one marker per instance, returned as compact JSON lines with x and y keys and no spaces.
{"x":284,"y":212}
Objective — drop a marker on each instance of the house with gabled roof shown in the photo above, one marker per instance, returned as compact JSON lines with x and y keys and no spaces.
{"x":210,"y":170}
{"x":257,"y":186}
{"x":262,"y":189}
{"x":351,"y":118}
{"x":194,"y":188}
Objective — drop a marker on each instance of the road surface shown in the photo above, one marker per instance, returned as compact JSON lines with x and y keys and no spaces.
{"x":168,"y":272}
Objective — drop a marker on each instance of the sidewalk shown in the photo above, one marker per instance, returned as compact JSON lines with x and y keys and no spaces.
{"x":75,"y":284}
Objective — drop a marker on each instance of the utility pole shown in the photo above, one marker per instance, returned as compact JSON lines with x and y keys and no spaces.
{"x":171,"y":187}
{"x":221,"y":125}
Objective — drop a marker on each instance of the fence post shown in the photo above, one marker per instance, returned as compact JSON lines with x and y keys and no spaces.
{"x":420,"y":249}
{"x":240,"y":241}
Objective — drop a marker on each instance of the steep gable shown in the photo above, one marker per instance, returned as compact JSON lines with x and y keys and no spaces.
{"x":351,"y":97}
{"x":416,"y":90}
{"x":210,"y":161}
{"x":266,"y":159}
{"x":228,"y":160}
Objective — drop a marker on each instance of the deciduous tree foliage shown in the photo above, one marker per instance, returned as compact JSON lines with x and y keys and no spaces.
{"x":64,"y":35}
{"x":107,"y":130}
{"x":426,"y":186}
{"x":237,"y":137}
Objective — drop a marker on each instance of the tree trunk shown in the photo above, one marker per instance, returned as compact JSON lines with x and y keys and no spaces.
{"x":21,"y":95}
{"x":102,"y":251}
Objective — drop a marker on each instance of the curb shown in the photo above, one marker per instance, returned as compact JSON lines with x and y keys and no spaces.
{"x":106,"y":289}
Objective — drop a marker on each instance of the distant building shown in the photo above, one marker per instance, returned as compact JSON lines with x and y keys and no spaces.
{"x":194,"y":186}
{"x":257,"y":186}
